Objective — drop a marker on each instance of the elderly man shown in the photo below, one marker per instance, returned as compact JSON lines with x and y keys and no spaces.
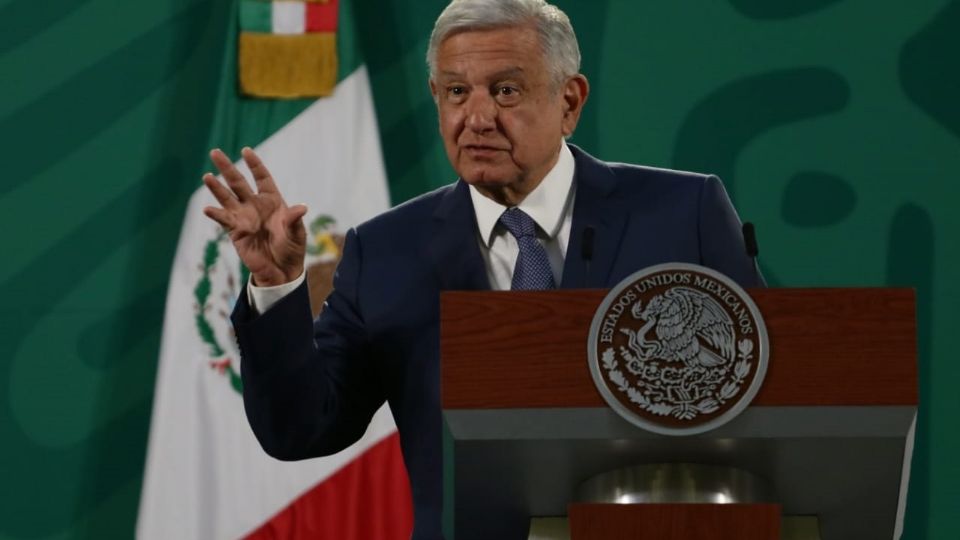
{"x":505,"y":78}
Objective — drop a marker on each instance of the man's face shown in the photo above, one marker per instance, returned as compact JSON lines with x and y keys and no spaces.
{"x":502,"y":118}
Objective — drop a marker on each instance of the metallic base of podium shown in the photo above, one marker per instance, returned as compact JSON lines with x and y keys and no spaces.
{"x":842,"y":464}
{"x":675,"y":483}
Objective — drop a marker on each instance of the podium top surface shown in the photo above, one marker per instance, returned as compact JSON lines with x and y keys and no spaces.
{"x":828,"y":347}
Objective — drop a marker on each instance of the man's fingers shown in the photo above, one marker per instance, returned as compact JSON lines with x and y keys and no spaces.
{"x":223,"y":195}
{"x":221,"y":216}
{"x":234,"y":178}
{"x":261,"y":175}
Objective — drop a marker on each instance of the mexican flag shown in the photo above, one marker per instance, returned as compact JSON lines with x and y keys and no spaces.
{"x":206,"y":476}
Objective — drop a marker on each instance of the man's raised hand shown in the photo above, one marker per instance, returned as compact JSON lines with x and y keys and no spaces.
{"x":268,"y":235}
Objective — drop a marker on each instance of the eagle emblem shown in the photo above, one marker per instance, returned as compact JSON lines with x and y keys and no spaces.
{"x":678,"y":349}
{"x":222,"y":278}
{"x":681,"y":317}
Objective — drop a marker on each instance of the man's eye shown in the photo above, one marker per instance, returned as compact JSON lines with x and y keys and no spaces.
{"x":507,"y":95}
{"x":456,"y":94}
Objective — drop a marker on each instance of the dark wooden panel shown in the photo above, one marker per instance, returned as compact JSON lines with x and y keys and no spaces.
{"x":828,"y":347}
{"x":675,"y":521}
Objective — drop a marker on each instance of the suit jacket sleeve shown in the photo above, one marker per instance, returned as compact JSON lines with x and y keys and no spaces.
{"x":721,"y":237}
{"x":308,"y":386}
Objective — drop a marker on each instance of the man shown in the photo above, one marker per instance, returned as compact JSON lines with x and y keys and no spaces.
{"x":505,"y":78}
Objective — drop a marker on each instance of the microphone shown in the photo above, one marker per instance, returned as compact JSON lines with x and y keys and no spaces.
{"x":750,"y":242}
{"x":586,"y":250}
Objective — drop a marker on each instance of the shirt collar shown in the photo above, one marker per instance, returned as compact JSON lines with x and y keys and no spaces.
{"x":545,"y":204}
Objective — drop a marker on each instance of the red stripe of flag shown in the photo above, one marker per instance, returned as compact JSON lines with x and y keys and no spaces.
{"x":368,"y":498}
{"x":322,"y":17}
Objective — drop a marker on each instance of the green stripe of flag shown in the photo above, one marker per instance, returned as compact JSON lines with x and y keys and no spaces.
{"x":255,"y":16}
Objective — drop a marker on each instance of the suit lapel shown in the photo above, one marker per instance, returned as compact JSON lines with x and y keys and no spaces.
{"x":453,"y":250}
{"x":596,"y":206}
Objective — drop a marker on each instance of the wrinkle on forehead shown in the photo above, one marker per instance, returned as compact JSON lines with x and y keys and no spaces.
{"x":508,"y":73}
{"x":486,"y":56}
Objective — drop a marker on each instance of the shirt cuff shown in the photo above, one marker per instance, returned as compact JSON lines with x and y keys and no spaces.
{"x":263,"y":298}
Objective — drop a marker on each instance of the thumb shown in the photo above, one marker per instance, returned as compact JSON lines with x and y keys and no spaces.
{"x":294,"y":214}
{"x":293,"y":222}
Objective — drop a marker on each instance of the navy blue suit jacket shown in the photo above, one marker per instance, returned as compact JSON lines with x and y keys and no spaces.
{"x":311,"y":387}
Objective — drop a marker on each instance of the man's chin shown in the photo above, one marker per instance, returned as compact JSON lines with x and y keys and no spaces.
{"x":484,"y":177}
{"x":487,"y":182}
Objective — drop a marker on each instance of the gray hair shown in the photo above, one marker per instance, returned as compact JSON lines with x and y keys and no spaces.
{"x":560,"y":49}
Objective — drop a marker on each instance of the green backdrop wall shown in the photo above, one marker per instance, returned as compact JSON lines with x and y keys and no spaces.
{"x":835,"y":125}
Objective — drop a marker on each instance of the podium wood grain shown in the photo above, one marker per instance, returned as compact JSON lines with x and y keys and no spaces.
{"x":840,"y":347}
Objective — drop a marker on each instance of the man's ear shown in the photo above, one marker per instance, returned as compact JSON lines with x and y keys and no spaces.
{"x":575,"y":92}
{"x":433,"y":89}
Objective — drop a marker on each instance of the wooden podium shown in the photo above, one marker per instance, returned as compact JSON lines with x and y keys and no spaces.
{"x":831,"y":429}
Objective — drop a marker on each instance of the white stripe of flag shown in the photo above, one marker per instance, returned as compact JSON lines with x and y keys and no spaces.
{"x":289,"y":18}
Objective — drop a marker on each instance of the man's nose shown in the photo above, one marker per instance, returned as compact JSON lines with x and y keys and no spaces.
{"x":481,"y":112}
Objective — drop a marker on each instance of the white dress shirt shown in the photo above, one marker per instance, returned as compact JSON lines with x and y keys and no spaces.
{"x":550,"y":205}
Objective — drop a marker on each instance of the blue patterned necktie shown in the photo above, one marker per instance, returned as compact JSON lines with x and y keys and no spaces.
{"x":532,"y":271}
